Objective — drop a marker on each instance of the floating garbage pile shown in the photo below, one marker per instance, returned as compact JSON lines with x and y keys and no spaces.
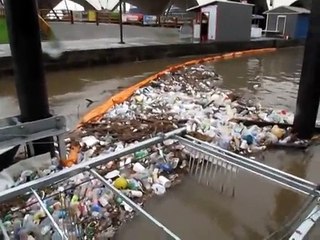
{"x":189,"y":97}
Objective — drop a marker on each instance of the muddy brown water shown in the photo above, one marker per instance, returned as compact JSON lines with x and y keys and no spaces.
{"x":190,"y":210}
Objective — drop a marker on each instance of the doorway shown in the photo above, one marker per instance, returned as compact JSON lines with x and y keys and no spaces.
{"x":281,"y":24}
{"x":204,"y":27}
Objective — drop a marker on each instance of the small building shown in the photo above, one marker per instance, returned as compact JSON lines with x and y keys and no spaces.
{"x":287,"y":21}
{"x":222,"y":21}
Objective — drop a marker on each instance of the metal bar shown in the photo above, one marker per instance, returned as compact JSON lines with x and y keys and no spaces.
{"x":282,"y":178}
{"x":4,"y":231}
{"x":21,"y":133}
{"x":56,"y":122}
{"x":62,"y":147}
{"x":274,"y":170}
{"x":120,"y":22}
{"x":67,"y":173}
{"x":132,"y":204}
{"x":55,"y":225}
{"x":254,"y":171}
{"x":30,"y":138}
{"x":307,"y":224}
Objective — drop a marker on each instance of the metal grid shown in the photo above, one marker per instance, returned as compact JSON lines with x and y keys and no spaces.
{"x":212,"y":166}
{"x":70,"y":228}
{"x":207,"y":160}
{"x":207,"y":163}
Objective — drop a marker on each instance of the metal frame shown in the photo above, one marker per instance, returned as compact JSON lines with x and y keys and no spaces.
{"x":285,"y":179}
{"x":307,"y":224}
{"x":285,"y":22}
{"x":220,"y":159}
{"x":210,"y":164}
{"x":88,"y":166}
{"x":13,"y":132}
{"x":267,"y":23}
{"x":82,"y":167}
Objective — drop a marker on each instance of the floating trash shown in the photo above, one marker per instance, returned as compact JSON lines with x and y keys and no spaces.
{"x":84,"y":208}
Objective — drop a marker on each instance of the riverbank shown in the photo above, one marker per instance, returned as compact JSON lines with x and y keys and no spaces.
{"x":86,"y":53}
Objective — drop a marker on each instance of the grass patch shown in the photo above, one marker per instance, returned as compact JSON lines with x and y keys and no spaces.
{"x":3,"y":31}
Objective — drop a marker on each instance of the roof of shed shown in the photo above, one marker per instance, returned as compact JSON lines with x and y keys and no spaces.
{"x":215,"y":2}
{"x":288,"y":9}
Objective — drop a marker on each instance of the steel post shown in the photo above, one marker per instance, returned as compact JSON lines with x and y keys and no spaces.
{"x":25,"y":45}
{"x":120,"y":22}
{"x":309,"y":88}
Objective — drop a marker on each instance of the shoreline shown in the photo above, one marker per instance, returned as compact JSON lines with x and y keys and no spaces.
{"x":84,"y":56}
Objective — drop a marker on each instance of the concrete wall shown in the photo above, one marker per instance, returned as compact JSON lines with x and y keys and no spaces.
{"x":233,"y":22}
{"x":88,"y":58}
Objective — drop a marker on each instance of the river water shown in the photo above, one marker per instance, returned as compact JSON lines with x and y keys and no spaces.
{"x":192,"y":211}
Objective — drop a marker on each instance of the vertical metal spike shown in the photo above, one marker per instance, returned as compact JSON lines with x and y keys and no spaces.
{"x":190,"y":160}
{"x":206,"y":170}
{"x":202,"y":157}
{"x":193,"y":159}
{"x":234,"y":176}
{"x":216,"y":167}
{"x":198,"y":163}
{"x":224,"y":172}
{"x":220,"y":174}
{"x":212,"y":165}
{"x":229,"y":176}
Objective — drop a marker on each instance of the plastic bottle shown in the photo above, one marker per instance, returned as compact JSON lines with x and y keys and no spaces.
{"x":144,"y":178}
{"x":140,"y":154}
{"x":158,"y":189}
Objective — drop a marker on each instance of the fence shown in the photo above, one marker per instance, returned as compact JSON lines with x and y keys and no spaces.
{"x":111,"y":17}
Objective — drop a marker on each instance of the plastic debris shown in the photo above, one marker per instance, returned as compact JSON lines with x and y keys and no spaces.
{"x":190,"y":97}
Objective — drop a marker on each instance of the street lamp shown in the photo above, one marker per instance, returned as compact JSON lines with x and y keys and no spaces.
{"x":120,"y":22}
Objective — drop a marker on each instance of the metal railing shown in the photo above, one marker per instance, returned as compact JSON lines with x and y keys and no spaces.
{"x":208,"y":164}
{"x":207,"y":158}
{"x":211,"y":166}
{"x":93,"y":173}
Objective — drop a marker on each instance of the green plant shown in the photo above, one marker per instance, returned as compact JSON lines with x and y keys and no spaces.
{"x":3,"y":31}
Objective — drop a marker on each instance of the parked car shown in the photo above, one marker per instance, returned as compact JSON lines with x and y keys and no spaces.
{"x":134,"y":15}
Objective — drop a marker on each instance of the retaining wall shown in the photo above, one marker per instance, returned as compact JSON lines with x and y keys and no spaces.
{"x":87,"y":58}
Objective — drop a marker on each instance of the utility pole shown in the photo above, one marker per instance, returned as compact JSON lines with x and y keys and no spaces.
{"x":120,"y":22}
{"x":25,"y":45}
{"x":309,"y":88}
{"x":124,"y":7}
